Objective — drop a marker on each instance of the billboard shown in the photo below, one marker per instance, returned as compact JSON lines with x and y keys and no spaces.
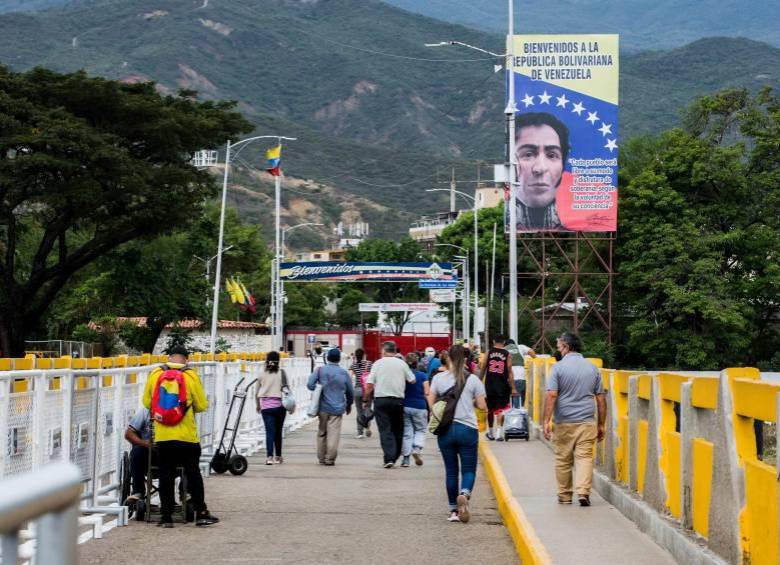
{"x":442,"y":295}
{"x":566,"y":143}
{"x":356,"y":271}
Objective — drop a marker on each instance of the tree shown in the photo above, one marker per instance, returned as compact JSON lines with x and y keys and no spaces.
{"x":700,"y":237}
{"x":87,"y":164}
{"x":406,"y":250}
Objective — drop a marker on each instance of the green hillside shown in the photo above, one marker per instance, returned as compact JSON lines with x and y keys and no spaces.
{"x":376,"y":113}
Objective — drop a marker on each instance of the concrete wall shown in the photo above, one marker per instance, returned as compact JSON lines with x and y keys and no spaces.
{"x":680,"y":459}
{"x":239,"y":340}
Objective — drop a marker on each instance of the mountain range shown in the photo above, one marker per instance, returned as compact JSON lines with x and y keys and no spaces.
{"x":642,"y":24}
{"x":379,"y":117}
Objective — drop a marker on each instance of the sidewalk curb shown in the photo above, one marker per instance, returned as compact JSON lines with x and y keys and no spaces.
{"x":528,"y":545}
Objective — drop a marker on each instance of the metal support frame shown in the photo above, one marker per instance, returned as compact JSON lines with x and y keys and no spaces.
{"x":559,"y":267}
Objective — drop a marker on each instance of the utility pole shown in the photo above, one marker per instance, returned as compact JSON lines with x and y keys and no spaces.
{"x":511,"y":108}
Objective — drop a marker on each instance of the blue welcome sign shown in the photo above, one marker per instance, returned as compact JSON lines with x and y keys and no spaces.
{"x":357,"y":271}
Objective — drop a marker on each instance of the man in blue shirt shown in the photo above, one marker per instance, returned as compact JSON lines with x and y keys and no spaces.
{"x":138,"y":433}
{"x":336,"y":399}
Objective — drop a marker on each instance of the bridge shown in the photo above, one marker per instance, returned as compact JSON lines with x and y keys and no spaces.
{"x":687,"y":473}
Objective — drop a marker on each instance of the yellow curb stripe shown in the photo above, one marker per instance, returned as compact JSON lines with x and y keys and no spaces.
{"x":528,"y":545}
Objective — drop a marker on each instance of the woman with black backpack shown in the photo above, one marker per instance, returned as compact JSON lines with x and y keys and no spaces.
{"x":452,"y":398}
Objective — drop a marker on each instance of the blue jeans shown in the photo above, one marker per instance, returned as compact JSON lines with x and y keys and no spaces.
{"x":415,"y":426}
{"x":273,"y":418}
{"x":459,"y":449}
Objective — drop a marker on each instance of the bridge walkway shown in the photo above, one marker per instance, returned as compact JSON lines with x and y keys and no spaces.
{"x":303,"y":513}
{"x":599,"y":534}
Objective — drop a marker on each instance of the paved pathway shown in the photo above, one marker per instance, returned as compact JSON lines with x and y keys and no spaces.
{"x":599,"y":534}
{"x":304,"y":513}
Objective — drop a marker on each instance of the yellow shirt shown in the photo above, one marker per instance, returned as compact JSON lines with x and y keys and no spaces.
{"x":187,"y":429}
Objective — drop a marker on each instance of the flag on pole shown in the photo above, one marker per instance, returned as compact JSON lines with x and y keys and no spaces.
{"x":274,"y":157}
{"x":249,"y":300}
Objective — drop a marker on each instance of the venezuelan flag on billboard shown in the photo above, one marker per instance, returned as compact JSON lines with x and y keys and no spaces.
{"x":566,"y":126}
{"x":274,"y":158}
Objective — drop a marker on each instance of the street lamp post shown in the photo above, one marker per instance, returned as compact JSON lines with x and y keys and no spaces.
{"x":509,"y":111}
{"x":208,"y":265}
{"x":218,"y":274}
{"x":279,"y":300}
{"x":475,"y":329}
{"x":464,"y":298}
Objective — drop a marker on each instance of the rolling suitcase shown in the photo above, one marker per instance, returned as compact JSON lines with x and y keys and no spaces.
{"x":516,"y":424}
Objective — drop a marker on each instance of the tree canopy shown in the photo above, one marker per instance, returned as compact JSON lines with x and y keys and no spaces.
{"x":87,"y":164}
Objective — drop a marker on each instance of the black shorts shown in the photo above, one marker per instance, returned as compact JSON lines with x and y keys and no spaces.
{"x":498,"y":402}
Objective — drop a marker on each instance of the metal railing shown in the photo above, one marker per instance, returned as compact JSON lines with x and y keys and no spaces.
{"x":49,"y":497}
{"x":80,"y":416}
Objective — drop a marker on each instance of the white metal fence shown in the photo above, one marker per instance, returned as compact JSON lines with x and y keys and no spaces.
{"x":81,"y":415}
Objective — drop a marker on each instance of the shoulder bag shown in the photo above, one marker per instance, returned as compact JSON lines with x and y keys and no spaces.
{"x":314,"y":405}
{"x":443,"y":413}
{"x":288,"y":400}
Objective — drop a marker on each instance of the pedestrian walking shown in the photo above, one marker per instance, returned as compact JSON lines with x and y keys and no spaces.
{"x":359,"y":372}
{"x":571,"y":388}
{"x":499,"y":385}
{"x":269,"y":406}
{"x":415,"y":414}
{"x":386,"y":383}
{"x":518,"y":353}
{"x":336,"y":399}
{"x":458,"y":443}
{"x":173,"y":394}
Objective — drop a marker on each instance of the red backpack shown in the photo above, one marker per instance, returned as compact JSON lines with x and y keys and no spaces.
{"x":169,"y":399}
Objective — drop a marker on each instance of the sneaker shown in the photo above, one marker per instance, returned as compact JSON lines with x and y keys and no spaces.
{"x":453,"y":516}
{"x":278,"y":459}
{"x":490,"y":436}
{"x":368,"y":432}
{"x":269,"y":460}
{"x":329,"y":463}
{"x":584,"y":500}
{"x":405,"y":462}
{"x":500,"y":434}
{"x":359,"y":436}
{"x":389,"y":465}
{"x":564,"y":500}
{"x":165,"y":523}
{"x":205,"y":519}
{"x":417,"y":456}
{"x":463,"y":508}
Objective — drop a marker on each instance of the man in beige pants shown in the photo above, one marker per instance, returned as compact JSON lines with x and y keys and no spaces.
{"x":336,"y":399}
{"x":573,"y":384}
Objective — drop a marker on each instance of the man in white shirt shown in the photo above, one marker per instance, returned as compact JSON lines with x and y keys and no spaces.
{"x":387,"y":384}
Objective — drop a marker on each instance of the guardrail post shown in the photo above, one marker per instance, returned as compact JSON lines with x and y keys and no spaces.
{"x":727,"y":481}
{"x":39,"y":383}
{"x":66,"y":382}
{"x":57,"y":533}
{"x":633,"y":433}
{"x":654,"y":492}
{"x":219,"y":401}
{"x":96,"y":437}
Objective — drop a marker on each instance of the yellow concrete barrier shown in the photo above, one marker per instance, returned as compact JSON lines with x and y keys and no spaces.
{"x":527,"y":544}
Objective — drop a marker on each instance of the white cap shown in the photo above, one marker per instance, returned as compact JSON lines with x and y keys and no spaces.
{"x":430,"y":351}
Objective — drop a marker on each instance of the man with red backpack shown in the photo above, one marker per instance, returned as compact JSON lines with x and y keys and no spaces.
{"x":173,"y":395}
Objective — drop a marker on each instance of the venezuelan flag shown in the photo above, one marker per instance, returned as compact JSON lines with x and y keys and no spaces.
{"x":274,"y":157}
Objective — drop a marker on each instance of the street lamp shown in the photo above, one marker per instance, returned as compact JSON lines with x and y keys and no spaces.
{"x":475,"y":336}
{"x":509,"y":112}
{"x":228,"y":147}
{"x":208,"y":265}
{"x":279,"y":299}
{"x":464,"y":297}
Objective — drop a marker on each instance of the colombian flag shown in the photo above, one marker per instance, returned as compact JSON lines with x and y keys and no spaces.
{"x":274,"y":157}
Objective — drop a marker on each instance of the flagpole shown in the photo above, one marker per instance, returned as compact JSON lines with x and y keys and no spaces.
{"x":278,"y":196}
{"x":229,"y":146}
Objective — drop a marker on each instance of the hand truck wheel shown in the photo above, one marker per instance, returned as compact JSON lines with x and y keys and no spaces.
{"x":238,"y":465}
{"x":219,"y":463}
